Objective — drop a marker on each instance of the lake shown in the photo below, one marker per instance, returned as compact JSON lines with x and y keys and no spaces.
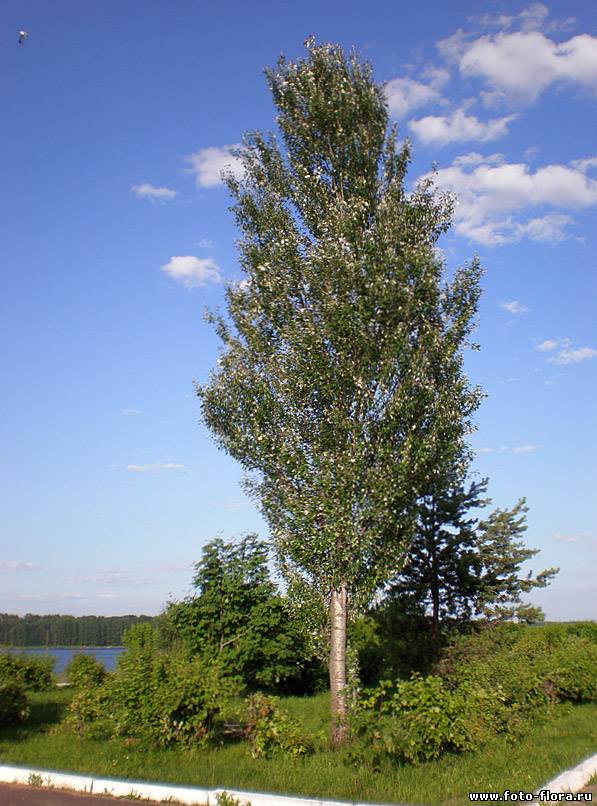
{"x":108,"y":655}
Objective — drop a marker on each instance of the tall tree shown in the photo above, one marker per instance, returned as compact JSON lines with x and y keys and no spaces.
{"x":340,"y":385}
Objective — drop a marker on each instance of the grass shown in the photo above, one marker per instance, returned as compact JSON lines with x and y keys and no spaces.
{"x":545,"y":751}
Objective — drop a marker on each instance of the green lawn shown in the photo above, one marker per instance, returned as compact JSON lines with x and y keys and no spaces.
{"x":547,"y":750}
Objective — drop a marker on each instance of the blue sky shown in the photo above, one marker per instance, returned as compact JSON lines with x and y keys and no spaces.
{"x":116,"y":122}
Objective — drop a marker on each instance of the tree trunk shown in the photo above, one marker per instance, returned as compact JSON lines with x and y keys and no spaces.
{"x":337,"y":667}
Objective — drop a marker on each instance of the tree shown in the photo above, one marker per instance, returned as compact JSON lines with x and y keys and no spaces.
{"x":460,"y":567}
{"x":340,"y":385}
{"x":238,"y":619}
{"x":441,"y":571}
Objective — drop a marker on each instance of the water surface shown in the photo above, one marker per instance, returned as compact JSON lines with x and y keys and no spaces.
{"x":107,"y":655}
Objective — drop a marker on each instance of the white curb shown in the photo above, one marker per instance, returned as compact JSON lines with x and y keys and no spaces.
{"x":574,"y":779}
{"x":191,"y":796}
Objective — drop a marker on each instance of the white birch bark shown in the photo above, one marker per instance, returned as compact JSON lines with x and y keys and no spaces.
{"x":337,"y":667}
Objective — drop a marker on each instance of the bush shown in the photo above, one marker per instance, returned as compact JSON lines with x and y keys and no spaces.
{"x":155,"y":696}
{"x":271,"y":730}
{"x":13,"y":703}
{"x":498,"y":680}
{"x":419,"y":719}
{"x":85,"y":671}
{"x":573,"y":669}
{"x":535,"y":666}
{"x":33,"y":673}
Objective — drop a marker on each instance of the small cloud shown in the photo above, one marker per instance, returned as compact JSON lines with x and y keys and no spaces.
{"x":208,"y":164}
{"x":515,"y":307}
{"x":18,"y":565}
{"x":585,"y":164}
{"x":567,"y":356}
{"x":155,"y":466}
{"x":206,"y":243}
{"x":405,"y":94}
{"x":191,"y":271}
{"x":130,"y":412}
{"x":573,"y":538}
{"x":484,"y":450}
{"x":547,"y":345}
{"x":525,"y":448}
{"x":459,"y":128}
{"x":115,"y":576}
{"x":518,"y":449}
{"x":152,"y":192}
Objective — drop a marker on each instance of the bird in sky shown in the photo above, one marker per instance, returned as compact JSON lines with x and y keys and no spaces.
{"x":23,"y":36}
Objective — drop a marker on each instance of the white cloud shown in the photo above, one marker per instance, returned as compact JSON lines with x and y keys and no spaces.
{"x":152,"y":192}
{"x":518,"y":449}
{"x":584,"y":165}
{"x":568,"y":356}
{"x":458,"y":128}
{"x":208,"y":163}
{"x":17,"y":565}
{"x":205,"y":243}
{"x":531,"y":18}
{"x":547,"y":345}
{"x":114,"y":576}
{"x":490,"y":191}
{"x":519,"y":66}
{"x":405,"y":94}
{"x":574,"y":538}
{"x":484,"y":450}
{"x":514,"y":307}
{"x":155,"y":466}
{"x":130,"y":412}
{"x":191,"y":271}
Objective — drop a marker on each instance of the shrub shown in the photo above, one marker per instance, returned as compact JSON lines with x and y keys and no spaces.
{"x":155,"y":696}
{"x":33,"y":673}
{"x":421,"y":718}
{"x":572,"y":669}
{"x":271,"y":730}
{"x":535,"y":666}
{"x":13,"y":703}
{"x":84,"y":671}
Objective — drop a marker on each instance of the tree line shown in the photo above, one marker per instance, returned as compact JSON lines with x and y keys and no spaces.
{"x":57,"y":630}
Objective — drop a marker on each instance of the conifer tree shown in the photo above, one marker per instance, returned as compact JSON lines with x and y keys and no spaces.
{"x":340,"y":386}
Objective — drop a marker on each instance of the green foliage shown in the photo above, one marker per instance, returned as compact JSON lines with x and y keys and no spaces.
{"x":499,"y":680}
{"x":13,"y":703}
{"x":419,"y":719}
{"x":33,"y":673}
{"x":157,"y":697}
{"x":85,"y":671}
{"x":271,"y":730}
{"x":535,"y":666}
{"x":238,"y":620}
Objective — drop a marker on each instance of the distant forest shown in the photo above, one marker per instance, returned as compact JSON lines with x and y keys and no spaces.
{"x":57,"y":630}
